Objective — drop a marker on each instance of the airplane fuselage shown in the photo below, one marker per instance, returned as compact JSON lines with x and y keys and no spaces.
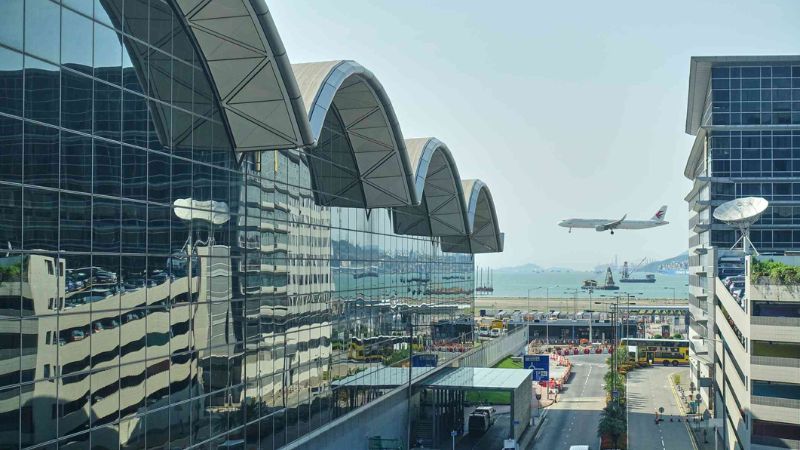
{"x":624,"y":225}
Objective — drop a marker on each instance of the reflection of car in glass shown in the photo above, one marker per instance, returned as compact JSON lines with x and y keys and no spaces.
{"x":110,"y":324}
{"x":97,"y":326}
{"x":76,"y":335}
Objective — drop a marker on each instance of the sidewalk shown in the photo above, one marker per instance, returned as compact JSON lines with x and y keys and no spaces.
{"x":698,"y":423}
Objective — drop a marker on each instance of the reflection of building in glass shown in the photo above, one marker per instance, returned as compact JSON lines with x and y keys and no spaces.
{"x":199,"y":239}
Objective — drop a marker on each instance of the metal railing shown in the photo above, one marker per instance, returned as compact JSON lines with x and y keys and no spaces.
{"x":778,"y":321}
{"x":775,"y":401}
{"x":775,"y":361}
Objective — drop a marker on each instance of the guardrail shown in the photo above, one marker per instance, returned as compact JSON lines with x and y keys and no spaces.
{"x":775,"y":361}
{"x":775,"y":401}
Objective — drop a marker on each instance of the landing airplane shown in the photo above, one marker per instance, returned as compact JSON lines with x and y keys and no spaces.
{"x":611,"y":224}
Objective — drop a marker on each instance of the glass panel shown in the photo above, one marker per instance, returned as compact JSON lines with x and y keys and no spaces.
{"x":76,"y":223}
{"x":42,"y":22}
{"x":76,"y":102}
{"x":106,"y":225}
{"x":41,"y":155}
{"x":107,"y":54}
{"x":134,"y":175}
{"x":76,"y":41}
{"x":11,"y":149}
{"x":10,"y":80}
{"x":106,"y":168}
{"x":41,"y":91}
{"x":11,"y":21}
{"x":107,"y":110}
{"x":40,"y":220}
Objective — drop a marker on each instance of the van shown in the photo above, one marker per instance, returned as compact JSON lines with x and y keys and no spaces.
{"x":488,"y":411}
{"x":478,"y":423}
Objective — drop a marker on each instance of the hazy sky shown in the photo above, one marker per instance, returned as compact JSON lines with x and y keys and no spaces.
{"x":564,"y":108}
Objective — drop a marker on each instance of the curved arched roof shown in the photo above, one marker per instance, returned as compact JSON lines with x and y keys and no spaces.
{"x":248,"y":66}
{"x":484,"y":230}
{"x":442,"y":210}
{"x":381,"y":165}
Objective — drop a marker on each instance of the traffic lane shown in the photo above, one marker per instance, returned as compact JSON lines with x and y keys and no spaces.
{"x":494,"y":436}
{"x":649,"y":389}
{"x":573,"y":419}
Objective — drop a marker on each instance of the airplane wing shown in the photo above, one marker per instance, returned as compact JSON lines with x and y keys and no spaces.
{"x":610,"y":225}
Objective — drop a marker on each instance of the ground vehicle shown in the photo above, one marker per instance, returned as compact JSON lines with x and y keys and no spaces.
{"x":483,"y":331}
{"x":478,"y":423}
{"x":579,"y":447}
{"x":495,"y":332}
{"x":658,"y":351}
{"x":481,"y":419}
{"x":489,"y":411}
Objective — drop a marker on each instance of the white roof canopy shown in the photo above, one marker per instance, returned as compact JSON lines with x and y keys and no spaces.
{"x":442,"y":210}
{"x":379,"y":165}
{"x":484,"y":231}
{"x":248,"y":66}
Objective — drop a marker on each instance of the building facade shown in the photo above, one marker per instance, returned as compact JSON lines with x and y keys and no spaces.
{"x":198,"y":239}
{"x":745,"y":114}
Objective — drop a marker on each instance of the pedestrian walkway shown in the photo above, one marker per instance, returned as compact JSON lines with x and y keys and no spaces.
{"x":698,"y":420}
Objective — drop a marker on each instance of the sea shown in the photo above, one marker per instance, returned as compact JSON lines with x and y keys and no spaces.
{"x":562,"y":284}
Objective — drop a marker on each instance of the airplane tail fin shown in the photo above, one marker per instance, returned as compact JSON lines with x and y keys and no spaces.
{"x":660,"y":215}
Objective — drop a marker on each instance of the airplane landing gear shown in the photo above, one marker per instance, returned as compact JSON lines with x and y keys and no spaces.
{"x":612,"y":232}
{"x":570,"y":230}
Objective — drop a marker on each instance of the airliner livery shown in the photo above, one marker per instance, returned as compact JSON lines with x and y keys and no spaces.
{"x":617,"y":224}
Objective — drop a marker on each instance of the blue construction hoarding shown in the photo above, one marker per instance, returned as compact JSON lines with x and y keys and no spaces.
{"x":424,"y":360}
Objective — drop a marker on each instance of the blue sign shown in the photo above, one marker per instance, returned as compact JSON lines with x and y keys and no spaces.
{"x":424,"y":360}
{"x":540,"y":364}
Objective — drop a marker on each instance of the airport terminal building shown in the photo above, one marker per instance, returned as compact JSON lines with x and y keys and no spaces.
{"x":198,"y":238}
{"x":744,"y":112}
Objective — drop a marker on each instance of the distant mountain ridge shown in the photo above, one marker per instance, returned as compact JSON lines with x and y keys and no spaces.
{"x":676,"y":262}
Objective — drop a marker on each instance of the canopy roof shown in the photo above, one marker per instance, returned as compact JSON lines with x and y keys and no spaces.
{"x":442,"y":210}
{"x":454,"y":378}
{"x":484,"y":231}
{"x":381,"y":165}
{"x":250,"y":71}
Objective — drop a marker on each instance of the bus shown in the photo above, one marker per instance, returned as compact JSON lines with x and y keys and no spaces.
{"x":658,"y":351}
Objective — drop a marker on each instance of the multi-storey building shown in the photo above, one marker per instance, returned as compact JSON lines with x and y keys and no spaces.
{"x":745,"y":114}
{"x":199,"y":239}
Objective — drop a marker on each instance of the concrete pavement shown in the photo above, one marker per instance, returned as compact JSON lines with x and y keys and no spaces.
{"x":648,"y":390}
{"x":573,"y":419}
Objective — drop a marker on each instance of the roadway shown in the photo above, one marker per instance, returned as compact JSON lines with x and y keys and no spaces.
{"x":573,"y":419}
{"x":494,"y":436}
{"x":650,"y":389}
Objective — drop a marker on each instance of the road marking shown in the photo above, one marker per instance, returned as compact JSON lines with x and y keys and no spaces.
{"x":680,"y":408}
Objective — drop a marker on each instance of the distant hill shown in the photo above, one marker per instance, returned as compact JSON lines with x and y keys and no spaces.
{"x":676,"y":262}
{"x":525,"y":268}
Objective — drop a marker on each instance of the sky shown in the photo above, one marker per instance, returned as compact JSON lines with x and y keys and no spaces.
{"x":564,"y":109}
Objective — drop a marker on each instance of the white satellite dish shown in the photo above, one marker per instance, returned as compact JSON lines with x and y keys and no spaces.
{"x":741,"y":213}
{"x":189,"y":209}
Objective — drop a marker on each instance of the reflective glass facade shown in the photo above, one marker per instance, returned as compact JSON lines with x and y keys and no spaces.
{"x":760,"y":154}
{"x":158,"y":291}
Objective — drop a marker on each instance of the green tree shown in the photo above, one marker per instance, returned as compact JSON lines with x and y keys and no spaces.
{"x":612,"y":423}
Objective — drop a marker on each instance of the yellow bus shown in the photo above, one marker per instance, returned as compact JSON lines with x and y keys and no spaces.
{"x":658,"y":351}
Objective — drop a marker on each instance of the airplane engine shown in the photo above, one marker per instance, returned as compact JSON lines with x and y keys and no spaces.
{"x":601,"y":228}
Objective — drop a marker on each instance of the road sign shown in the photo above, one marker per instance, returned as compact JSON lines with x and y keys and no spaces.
{"x":615,"y":395}
{"x":453,"y":433}
{"x":540,"y":364}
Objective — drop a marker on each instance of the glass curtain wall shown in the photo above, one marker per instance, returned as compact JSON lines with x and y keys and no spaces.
{"x":155,"y":291}
{"x":760,"y":153}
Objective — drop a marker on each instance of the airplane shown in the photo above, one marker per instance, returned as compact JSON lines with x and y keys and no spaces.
{"x":611,"y":224}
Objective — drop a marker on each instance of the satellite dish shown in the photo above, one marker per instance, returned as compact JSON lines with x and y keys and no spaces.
{"x":741,"y":213}
{"x":211,"y":211}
